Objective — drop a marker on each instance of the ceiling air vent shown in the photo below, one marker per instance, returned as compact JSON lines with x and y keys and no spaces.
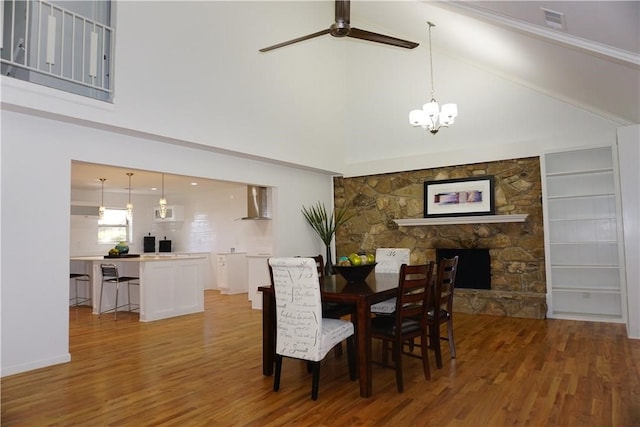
{"x":554,"y":19}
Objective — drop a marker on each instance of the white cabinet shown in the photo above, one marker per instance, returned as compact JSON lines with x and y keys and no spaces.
{"x":258,"y":276}
{"x":584,"y":253}
{"x":232,"y":273}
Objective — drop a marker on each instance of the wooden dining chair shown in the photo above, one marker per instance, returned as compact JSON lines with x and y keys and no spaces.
{"x":408,"y":321}
{"x":301,"y":330}
{"x":441,"y":308}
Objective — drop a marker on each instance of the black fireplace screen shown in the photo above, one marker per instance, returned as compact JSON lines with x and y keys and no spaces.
{"x":474,"y":267}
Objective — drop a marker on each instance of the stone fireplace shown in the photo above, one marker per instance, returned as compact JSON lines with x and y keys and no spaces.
{"x":516,"y":249}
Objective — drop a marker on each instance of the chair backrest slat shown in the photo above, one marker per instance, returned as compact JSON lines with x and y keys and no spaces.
{"x":445,"y":284}
{"x":298,"y":307}
{"x":413,"y":291}
{"x":109,"y":271}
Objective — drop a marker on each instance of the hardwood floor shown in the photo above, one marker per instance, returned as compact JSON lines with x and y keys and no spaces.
{"x":205,"y":370}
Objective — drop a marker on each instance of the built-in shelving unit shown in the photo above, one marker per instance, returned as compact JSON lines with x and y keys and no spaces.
{"x":583,"y":251}
{"x":475,"y":219}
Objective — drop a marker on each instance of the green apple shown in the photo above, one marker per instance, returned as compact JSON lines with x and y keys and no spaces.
{"x":355,"y":259}
{"x":371,"y":258}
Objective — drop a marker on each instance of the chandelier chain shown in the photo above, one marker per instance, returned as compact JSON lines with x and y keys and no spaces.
{"x":433,"y":90}
{"x":129,"y":175}
{"x":102,"y":180}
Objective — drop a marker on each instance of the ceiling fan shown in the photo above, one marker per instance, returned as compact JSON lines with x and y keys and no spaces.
{"x":341,"y":28}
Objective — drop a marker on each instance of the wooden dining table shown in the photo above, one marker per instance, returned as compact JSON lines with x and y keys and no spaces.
{"x":335,"y":289}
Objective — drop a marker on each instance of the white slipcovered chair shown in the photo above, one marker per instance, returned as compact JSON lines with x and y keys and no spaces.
{"x":301,"y":331}
{"x":389,"y":260}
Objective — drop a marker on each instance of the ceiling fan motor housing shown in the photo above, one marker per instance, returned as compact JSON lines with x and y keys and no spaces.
{"x":340,"y":29}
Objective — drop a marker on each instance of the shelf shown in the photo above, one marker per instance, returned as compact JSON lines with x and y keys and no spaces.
{"x":580,"y":172}
{"x":590,"y":266}
{"x":580,"y":196}
{"x":585,"y":242}
{"x":581,"y":266}
{"x":452,"y":220}
{"x":567,"y":315}
{"x":592,"y":219}
{"x":603,"y":290}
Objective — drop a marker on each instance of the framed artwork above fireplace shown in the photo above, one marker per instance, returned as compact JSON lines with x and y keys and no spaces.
{"x":459,"y":197}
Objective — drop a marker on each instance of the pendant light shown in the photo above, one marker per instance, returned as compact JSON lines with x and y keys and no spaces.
{"x":163,"y":202}
{"x":431,"y":118}
{"x":101,"y":209}
{"x":129,"y":205}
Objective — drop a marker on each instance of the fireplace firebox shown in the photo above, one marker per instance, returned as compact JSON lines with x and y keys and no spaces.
{"x":474,"y":267}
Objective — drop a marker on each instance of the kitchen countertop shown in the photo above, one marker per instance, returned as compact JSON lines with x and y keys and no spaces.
{"x":141,"y":258}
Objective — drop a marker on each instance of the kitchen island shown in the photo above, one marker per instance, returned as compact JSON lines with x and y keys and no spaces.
{"x":170,"y":285}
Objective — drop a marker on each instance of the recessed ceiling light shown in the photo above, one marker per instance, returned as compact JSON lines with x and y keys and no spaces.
{"x":154,"y":188}
{"x":194,"y":183}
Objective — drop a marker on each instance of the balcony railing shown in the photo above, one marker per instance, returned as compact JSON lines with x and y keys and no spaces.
{"x":46,"y":44}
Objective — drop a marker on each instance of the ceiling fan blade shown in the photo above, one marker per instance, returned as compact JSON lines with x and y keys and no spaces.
{"x":379,"y":38}
{"x":299,"y":39}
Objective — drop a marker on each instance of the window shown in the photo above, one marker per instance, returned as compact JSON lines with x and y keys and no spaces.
{"x":114,"y":227}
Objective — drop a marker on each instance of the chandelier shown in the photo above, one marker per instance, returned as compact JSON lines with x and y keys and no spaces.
{"x":431,"y":118}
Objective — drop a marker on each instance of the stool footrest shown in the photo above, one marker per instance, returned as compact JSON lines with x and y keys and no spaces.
{"x":80,"y":277}
{"x":134,"y":308}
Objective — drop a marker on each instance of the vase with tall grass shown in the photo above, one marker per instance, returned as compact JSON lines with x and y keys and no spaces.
{"x":325,"y":225}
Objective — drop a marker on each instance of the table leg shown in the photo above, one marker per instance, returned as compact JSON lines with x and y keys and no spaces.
{"x":363,"y":326}
{"x":268,"y":333}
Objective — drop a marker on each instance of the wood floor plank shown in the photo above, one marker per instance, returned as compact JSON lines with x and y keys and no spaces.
{"x":205,"y":369}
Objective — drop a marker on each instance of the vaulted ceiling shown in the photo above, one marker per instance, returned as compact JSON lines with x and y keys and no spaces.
{"x":592,"y":63}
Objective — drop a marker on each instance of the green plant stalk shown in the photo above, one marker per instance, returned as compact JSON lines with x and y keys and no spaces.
{"x":324,"y":224}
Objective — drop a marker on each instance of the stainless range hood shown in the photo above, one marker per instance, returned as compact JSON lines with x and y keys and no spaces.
{"x":258,"y":206}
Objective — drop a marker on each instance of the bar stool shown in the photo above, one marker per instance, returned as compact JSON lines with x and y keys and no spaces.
{"x":110,"y":276}
{"x":80,"y":277}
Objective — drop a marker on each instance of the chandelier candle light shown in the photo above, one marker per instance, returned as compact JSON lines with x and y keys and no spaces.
{"x":129,"y":205}
{"x":431,"y":117}
{"x":101,"y":209}
{"x":163,"y":202}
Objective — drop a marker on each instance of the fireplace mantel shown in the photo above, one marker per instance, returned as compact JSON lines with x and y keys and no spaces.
{"x":452,"y":220}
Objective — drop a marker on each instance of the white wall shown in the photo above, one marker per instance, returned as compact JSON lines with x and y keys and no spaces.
{"x":629,"y":160}
{"x":36,"y":163}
